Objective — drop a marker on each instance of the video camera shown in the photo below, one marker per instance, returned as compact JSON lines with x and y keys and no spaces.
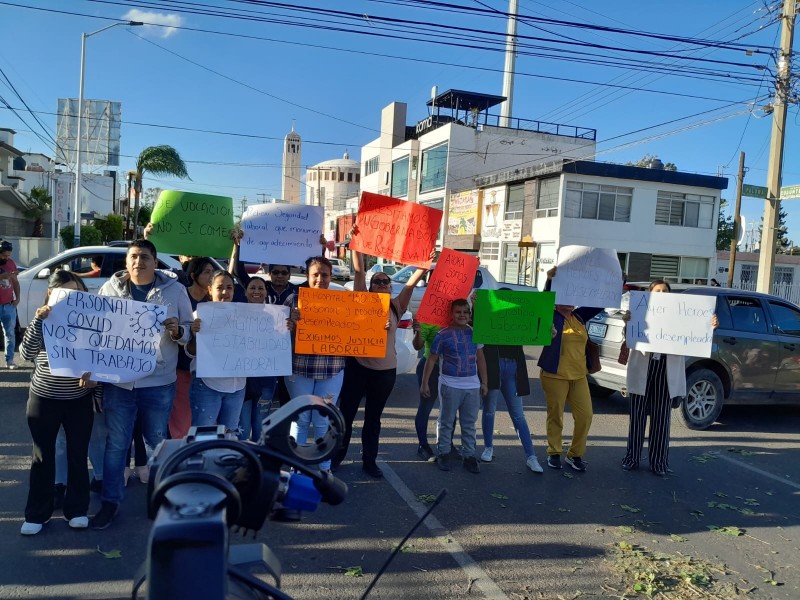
{"x":205,"y":483}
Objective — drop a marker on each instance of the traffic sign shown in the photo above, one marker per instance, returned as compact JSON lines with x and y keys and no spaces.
{"x":758,"y":191}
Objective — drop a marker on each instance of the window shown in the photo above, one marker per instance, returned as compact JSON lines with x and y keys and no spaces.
{"x":787,"y":319}
{"x":371,"y":166}
{"x":358,"y":177}
{"x":747,"y":314}
{"x":515,"y":201}
{"x":685,"y":210}
{"x":350,"y":178}
{"x":783,"y":276}
{"x":600,"y":202}
{"x":327,"y":175}
{"x":680,"y":269}
{"x":490,"y":251}
{"x":400,"y":177}
{"x":341,"y":175}
{"x":547,"y":200}
{"x":663,"y":267}
{"x":434,"y":168}
{"x":694,"y":269}
{"x":748,"y":276}
{"x":438,"y":204}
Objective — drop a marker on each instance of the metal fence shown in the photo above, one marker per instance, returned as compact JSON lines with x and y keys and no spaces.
{"x":787,"y":291}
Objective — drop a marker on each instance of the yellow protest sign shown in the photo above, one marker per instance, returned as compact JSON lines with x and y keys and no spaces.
{"x":339,"y":323}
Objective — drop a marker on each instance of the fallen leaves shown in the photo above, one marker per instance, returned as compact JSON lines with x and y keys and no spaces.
{"x":630,"y":509}
{"x":729,"y":530}
{"x":111,"y":554}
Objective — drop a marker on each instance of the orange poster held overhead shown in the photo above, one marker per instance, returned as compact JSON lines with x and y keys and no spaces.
{"x":397,"y":230}
{"x":451,"y":279}
{"x":339,"y":323}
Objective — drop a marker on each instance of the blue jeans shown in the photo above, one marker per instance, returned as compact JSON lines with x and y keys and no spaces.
{"x":210,"y":407}
{"x":425,"y":404}
{"x":97,"y":449}
{"x":120,"y":406}
{"x":324,"y":388}
{"x":8,"y":318}
{"x":256,"y":405}
{"x":466,"y":404}
{"x":508,"y":391}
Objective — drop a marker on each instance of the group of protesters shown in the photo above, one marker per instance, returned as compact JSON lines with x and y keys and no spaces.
{"x":99,"y":420}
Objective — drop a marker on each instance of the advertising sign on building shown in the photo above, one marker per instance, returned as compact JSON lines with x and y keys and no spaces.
{"x":463,"y":213}
{"x":494,"y":200}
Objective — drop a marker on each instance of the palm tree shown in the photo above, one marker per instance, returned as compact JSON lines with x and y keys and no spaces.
{"x":158,"y":160}
{"x":39,"y":201}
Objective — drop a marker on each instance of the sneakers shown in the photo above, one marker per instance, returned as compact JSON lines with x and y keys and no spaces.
{"x":96,"y":486}
{"x":30,"y":528}
{"x":425,"y":452}
{"x":11,"y":366}
{"x":533,"y":464}
{"x":106,"y":514}
{"x":59,"y":490}
{"x":471,"y":464}
{"x":371,"y":469}
{"x":127,"y":475}
{"x":442,"y":462}
{"x":554,"y":461}
{"x":78,"y":522}
{"x":142,"y":473}
{"x":576,"y":463}
{"x":629,"y":467}
{"x":487,"y":455}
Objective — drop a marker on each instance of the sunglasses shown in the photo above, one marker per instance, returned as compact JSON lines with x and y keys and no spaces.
{"x":381,"y":281}
{"x":279,"y":272}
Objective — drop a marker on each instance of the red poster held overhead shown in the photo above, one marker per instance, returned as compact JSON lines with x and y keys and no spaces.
{"x":397,"y":230}
{"x":451,"y":279}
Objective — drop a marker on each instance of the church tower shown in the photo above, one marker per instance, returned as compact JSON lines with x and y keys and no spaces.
{"x":290,"y":190}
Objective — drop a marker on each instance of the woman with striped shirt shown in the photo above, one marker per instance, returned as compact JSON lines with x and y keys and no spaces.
{"x":54,"y":402}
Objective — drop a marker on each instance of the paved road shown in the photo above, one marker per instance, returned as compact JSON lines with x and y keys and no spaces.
{"x":504,"y":534}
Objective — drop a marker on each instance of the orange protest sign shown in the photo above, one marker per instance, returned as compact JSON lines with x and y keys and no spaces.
{"x":397,"y":230}
{"x":339,"y":323}
{"x":451,"y":279}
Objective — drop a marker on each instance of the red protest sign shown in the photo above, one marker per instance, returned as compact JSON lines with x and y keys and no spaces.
{"x":397,"y":230}
{"x":451,"y":279}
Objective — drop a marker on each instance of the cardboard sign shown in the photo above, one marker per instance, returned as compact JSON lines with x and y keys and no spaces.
{"x":192,"y":224}
{"x":671,"y":323}
{"x":115,"y":339}
{"x":340,"y":323}
{"x":451,"y":279}
{"x":243,"y":340}
{"x":281,"y":234}
{"x":588,"y":277}
{"x":512,"y":318}
{"x":396,"y":230}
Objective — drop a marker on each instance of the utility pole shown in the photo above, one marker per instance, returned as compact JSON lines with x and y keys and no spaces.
{"x":508,"y":68}
{"x":772,"y":208}
{"x":737,"y":221}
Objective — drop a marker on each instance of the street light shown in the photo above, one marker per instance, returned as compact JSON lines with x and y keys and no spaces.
{"x":79,"y":160}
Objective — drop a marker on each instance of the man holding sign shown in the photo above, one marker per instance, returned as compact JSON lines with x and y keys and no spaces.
{"x":150,"y":397}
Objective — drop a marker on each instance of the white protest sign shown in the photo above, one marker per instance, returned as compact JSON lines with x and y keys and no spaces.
{"x":280,"y":234}
{"x":671,"y":323}
{"x":588,"y":277}
{"x":115,"y":339}
{"x":243,"y":340}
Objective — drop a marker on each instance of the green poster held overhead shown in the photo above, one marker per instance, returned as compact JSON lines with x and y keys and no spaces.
{"x":512,"y":318}
{"x":192,"y":224}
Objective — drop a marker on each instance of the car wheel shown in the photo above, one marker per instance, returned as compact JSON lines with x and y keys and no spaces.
{"x":704,"y":399}
{"x":600,"y":392}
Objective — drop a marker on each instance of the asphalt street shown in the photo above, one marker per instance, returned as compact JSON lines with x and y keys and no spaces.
{"x":505,"y":533}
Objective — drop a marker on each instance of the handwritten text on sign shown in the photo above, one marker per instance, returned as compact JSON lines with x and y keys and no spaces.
{"x":588,"y":277}
{"x":511,"y":318}
{"x":395,"y":229}
{"x":451,"y":279}
{"x":338,"y":323}
{"x":280,"y":234}
{"x":192,"y":224}
{"x":114,"y":339}
{"x":243,"y":340}
{"x":671,"y":323}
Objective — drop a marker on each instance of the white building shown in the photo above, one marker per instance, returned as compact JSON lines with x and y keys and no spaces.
{"x":786,"y":273}
{"x":291,"y":172}
{"x":331,"y":182}
{"x":661,"y":223}
{"x":426,"y":161}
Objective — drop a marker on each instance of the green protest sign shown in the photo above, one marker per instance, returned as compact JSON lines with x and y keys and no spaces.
{"x":512,"y":318}
{"x":192,"y":224}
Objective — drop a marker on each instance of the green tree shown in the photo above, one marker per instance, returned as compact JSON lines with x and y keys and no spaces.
{"x":782,"y":241}
{"x":90,"y":236}
{"x":39,"y":202}
{"x":110,"y":227}
{"x":725,"y":227}
{"x":647,"y":159}
{"x":157,"y":160}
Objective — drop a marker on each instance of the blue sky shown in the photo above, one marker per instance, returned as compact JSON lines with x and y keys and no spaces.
{"x":333,"y":84}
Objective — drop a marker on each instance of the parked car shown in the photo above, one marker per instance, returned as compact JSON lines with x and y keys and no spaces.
{"x":340,"y":269}
{"x":484,"y":280}
{"x":755,"y":357}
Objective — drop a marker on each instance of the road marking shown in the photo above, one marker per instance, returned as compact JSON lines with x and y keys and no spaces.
{"x":474,"y":572}
{"x":761,"y":472}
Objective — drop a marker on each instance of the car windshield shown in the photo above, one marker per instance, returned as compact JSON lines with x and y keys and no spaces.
{"x":404,"y":274}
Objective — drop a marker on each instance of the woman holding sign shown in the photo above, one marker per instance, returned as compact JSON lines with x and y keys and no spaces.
{"x":373,"y":378}
{"x":54,"y":402}
{"x":653,"y":381}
